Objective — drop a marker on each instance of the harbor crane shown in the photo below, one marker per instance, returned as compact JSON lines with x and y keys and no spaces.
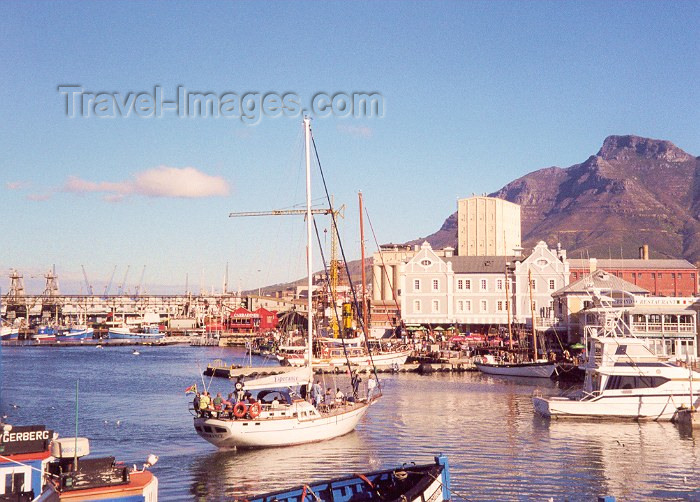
{"x":138,"y":288}
{"x":87,"y":283}
{"x":120,"y":290}
{"x":334,"y":262}
{"x":109,"y":284}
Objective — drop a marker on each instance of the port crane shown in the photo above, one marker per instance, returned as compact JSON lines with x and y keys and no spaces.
{"x":120,"y":291}
{"x":138,"y":288}
{"x":87,"y":283}
{"x":334,"y":262}
{"x":109,"y":284}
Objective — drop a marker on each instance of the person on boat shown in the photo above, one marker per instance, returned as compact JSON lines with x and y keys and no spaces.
{"x":371,"y":385}
{"x":339,"y":396}
{"x":317,"y":393}
{"x":195,"y":403}
{"x":275,"y":403}
{"x":356,"y":384}
{"x":218,"y":402}
{"x":205,"y":404}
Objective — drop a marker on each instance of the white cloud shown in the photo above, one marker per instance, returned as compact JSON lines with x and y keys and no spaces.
{"x":354,"y":130}
{"x":161,"y":181}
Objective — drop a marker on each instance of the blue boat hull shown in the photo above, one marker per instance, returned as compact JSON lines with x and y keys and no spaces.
{"x":406,"y":483}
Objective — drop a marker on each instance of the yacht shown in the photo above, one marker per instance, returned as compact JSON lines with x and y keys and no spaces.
{"x":280,"y":413}
{"x":624,"y":379}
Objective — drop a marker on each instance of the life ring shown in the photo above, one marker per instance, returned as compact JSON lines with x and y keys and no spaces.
{"x":240,"y":409}
{"x":254,"y":410}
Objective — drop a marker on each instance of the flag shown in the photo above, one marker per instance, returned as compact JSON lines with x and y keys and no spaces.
{"x":191,"y":389}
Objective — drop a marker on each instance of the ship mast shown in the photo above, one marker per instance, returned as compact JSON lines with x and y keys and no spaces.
{"x":532,"y":312}
{"x":309,"y":251}
{"x":364,"y":277}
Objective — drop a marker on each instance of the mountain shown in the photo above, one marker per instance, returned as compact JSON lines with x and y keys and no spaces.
{"x":634,"y":191}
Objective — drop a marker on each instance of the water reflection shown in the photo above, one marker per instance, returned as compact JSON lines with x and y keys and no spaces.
{"x":241,"y":474}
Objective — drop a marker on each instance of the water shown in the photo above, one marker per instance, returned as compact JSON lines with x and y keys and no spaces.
{"x":497,"y":448}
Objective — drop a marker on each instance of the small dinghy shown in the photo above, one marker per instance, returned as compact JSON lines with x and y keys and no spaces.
{"x":407,"y":483}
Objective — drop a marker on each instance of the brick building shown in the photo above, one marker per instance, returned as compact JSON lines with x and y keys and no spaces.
{"x":661,"y":277}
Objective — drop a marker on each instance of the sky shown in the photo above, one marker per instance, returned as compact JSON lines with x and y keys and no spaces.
{"x":473,"y":95}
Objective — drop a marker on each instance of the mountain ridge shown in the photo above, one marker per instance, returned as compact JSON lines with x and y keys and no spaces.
{"x":633,"y":191}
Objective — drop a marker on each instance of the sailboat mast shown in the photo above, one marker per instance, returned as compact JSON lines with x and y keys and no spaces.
{"x":532,"y":312}
{"x":309,"y":251}
{"x":364,"y":276}
{"x":510,"y":328}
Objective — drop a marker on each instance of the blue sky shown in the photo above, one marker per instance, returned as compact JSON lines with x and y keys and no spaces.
{"x":475,"y":94}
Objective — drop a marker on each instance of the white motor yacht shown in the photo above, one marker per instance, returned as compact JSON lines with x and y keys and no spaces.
{"x":625,"y":380}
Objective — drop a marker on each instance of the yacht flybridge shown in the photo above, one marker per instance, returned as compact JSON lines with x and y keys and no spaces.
{"x":277,"y":410}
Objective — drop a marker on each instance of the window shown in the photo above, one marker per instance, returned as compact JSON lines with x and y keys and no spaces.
{"x":426,"y":263}
{"x":533,"y":284}
{"x":551,"y":284}
{"x":499,"y":305}
{"x":639,"y":275}
{"x":416,"y":285}
{"x":460,"y":284}
{"x":653,"y":275}
{"x":483,"y":284}
{"x":680,"y":275}
{"x":467,"y":284}
{"x":436,"y":285}
{"x":483,"y":306}
{"x":460,"y":306}
{"x":416,"y":305}
{"x":467,"y":305}
{"x":436,"y":306}
{"x":660,"y":275}
{"x":499,"y":284}
{"x":575,"y":275}
{"x":634,"y":382}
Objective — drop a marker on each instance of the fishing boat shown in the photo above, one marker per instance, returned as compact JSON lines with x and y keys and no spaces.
{"x":279,"y":414}
{"x":76,"y":332}
{"x":144,"y":333}
{"x":9,"y":333}
{"x":408,"y":483}
{"x":46,"y":334}
{"x":38,"y":466}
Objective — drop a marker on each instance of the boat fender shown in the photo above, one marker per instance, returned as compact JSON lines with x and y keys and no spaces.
{"x":254,"y":410}
{"x":240,"y":409}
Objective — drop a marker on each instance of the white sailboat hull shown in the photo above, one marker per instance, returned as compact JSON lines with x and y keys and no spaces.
{"x":529,"y":370}
{"x":633,"y":407}
{"x":269,"y":432}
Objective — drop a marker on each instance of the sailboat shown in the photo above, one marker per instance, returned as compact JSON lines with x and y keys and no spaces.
{"x":278,"y":415}
{"x":536,"y":368}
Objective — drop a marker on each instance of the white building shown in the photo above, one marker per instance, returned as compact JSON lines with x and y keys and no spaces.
{"x":480,"y":290}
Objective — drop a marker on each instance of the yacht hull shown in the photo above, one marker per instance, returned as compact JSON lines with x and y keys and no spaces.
{"x":529,"y":370}
{"x":269,"y":432}
{"x":640,"y":407}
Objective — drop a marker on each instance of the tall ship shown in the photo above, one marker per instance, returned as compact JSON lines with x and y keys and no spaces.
{"x":285,"y":409}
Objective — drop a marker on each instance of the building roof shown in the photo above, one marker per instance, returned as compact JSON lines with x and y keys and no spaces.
{"x":632,"y":264}
{"x":602,"y":280}
{"x":481,"y":264}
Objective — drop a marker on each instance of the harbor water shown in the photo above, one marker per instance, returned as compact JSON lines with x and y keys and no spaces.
{"x":132,"y":405}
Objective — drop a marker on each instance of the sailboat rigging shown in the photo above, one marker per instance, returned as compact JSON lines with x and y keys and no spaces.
{"x":277,"y":415}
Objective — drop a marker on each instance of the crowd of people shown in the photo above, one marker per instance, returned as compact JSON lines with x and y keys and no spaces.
{"x":242,"y":404}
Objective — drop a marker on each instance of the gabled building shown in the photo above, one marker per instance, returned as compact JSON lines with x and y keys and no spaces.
{"x":479,"y":292}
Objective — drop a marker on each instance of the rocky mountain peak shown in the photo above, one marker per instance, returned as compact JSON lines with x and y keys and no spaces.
{"x":627,"y":147}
